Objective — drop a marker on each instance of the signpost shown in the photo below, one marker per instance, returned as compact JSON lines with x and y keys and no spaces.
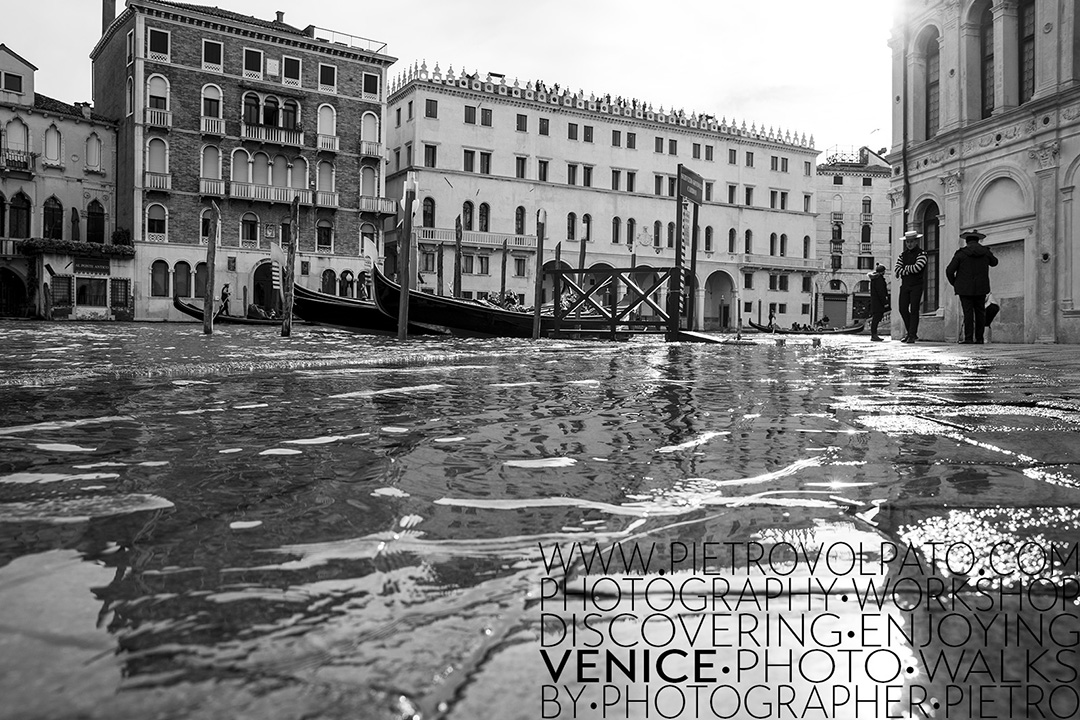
{"x":689,"y":188}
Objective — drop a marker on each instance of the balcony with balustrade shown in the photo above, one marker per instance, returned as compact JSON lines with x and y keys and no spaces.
{"x":268,"y":193}
{"x":213,"y":126}
{"x":211,"y":187}
{"x":155,"y":117}
{"x":774,"y":262}
{"x":17,"y":160}
{"x":371,"y":149}
{"x":384,"y":206}
{"x":328,"y":143}
{"x":156,"y":237}
{"x":473,"y":238}
{"x":157,"y":181}
{"x":270,"y":134}
{"x":326,"y":199}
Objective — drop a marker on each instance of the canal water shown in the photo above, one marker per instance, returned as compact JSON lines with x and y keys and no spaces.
{"x":337,"y":525}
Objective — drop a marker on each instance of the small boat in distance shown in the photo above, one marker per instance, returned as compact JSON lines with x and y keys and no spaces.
{"x":352,"y":314}
{"x":196,"y":312}
{"x":848,"y":330}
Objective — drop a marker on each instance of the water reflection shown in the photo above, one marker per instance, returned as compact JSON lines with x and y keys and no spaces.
{"x":349,"y":527}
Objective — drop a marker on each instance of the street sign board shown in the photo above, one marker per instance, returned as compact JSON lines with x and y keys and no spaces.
{"x":690,"y":185}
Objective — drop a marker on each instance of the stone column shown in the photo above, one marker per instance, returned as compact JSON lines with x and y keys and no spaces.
{"x":896,"y":201}
{"x":699,"y":309}
{"x":1006,"y":58}
{"x":1068,"y":273}
{"x":948,"y":243}
{"x":970,"y":73}
{"x":1042,"y":255}
{"x":950,"y":81}
{"x":1047,"y":38}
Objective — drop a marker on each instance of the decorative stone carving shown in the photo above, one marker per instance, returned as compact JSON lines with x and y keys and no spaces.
{"x":1046,"y":153}
{"x":895,"y":196}
{"x":951,"y":180}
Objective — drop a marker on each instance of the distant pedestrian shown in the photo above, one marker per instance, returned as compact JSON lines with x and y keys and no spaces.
{"x":969,"y":274}
{"x":224,"y":309}
{"x":911,"y":270}
{"x":879,"y":300}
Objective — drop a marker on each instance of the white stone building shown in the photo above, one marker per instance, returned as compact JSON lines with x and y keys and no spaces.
{"x":496,"y":150}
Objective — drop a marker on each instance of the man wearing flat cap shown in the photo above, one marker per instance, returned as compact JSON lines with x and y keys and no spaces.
{"x":969,"y":274}
{"x":911,"y":270}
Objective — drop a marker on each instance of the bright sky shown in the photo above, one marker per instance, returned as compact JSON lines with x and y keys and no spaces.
{"x":818,"y":67}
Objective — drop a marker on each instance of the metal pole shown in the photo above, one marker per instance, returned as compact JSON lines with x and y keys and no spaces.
{"x":287,"y":272}
{"x":211,"y":263}
{"x":404,"y":257}
{"x":691,"y":311}
{"x":502,"y":285}
{"x":538,"y":294}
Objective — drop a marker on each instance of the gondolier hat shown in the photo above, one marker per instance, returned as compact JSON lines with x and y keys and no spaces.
{"x":912,"y":235}
{"x":972,"y":234}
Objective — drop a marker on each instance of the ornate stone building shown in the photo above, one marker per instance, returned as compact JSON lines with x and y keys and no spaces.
{"x":495,"y":150}
{"x":216,"y":107}
{"x":986,"y":135}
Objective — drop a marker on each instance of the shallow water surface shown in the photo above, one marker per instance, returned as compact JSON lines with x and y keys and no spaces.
{"x":342,"y":526}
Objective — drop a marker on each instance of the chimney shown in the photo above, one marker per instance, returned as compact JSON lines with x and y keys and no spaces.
{"x":280,"y":16}
{"x":108,"y":14}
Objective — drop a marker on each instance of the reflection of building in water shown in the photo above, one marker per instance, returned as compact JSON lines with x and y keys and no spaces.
{"x":56,"y":197}
{"x":493,"y":150}
{"x":853,"y":230}
{"x":986,"y":114}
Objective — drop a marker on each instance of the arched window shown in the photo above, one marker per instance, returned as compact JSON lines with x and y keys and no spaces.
{"x":157,"y":224}
{"x":783,"y":245}
{"x":1025,"y":25}
{"x":279,"y":172}
{"x":986,"y":61}
{"x":157,"y":156}
{"x":3,"y":215}
{"x":866,"y":234}
{"x":329,"y":281}
{"x":157,"y":93}
{"x":571,"y":226}
{"x":95,"y":222}
{"x":249,"y":229}
{"x":52,"y":145}
{"x":241,"y":167}
{"x":863,"y":286}
{"x":182,"y":279}
{"x":17,"y":136}
{"x":657,"y":230}
{"x":19,"y":220}
{"x":867,"y":204}
{"x":931,"y":245}
{"x":772,"y":243}
{"x":345,"y":284}
{"x":290,"y":115}
{"x":838,"y":232}
{"x":211,"y":163}
{"x":325,"y":177}
{"x":485,"y":218}
{"x":207,"y":230}
{"x":671,"y":234}
{"x":748,"y":242}
{"x":93,"y":152}
{"x":428,"y":217}
{"x":519,"y":220}
{"x":270,"y":112}
{"x":616,"y":228}
{"x":586,"y":223}
{"x":327,"y":120}
{"x":299,"y":174}
{"x":932,"y":90}
{"x":159,"y":279}
{"x":368,"y":182}
{"x":367,"y":239}
{"x":631,"y":228}
{"x":130,"y":96}
{"x":708,"y":238}
{"x":806,"y":246}
{"x":202,"y":278}
{"x":324,"y":236}
{"x":53,"y":216}
{"x":260,"y":169}
{"x":251,"y":109}
{"x":467,"y":216}
{"x":211,"y":101}
{"x":369,"y":128}
{"x":732,"y":238}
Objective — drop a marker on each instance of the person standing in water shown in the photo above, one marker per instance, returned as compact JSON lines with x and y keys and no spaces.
{"x":911,"y":271}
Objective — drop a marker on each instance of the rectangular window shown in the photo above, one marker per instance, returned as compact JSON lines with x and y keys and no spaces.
{"x":469,"y":162}
{"x":658,"y":185}
{"x":470,"y":115}
{"x":130,"y":45}
{"x":865,"y":263}
{"x":749,"y":159}
{"x":672,"y":147}
{"x":327,"y":78}
{"x":806,"y":308}
{"x":519,"y":267}
{"x":484,"y":264}
{"x":631,"y":177}
{"x":783,"y":164}
{"x":772,"y":282}
{"x":708,"y":191}
{"x":783,"y":284}
{"x":731,"y":194}
{"x":806,"y":202}
{"x":410,"y":110}
{"x":774,"y":163}
{"x":485,"y":117}
{"x":733,"y":157}
{"x":782,"y":307}
{"x":671,"y":186}
{"x":571,"y":174}
{"x":397,"y":117}
{"x":588,"y":133}
{"x":542,"y":171}
{"x":431,"y":108}
{"x":545,"y":126}
{"x":631,"y":141}
{"x":748,"y":281}
{"x":253,"y":64}
{"x":408,"y":155}
{"x":616,"y":179}
{"x":709,"y":153}
{"x":807,"y":167}
{"x":783,"y":200}
{"x":867,"y":182}
{"x":519,"y":166}
{"x":806,"y":283}
{"x":838,"y":180}
{"x":371,"y":86}
{"x":773,"y":197}
{"x":522,"y":123}
{"x":616,"y":138}
{"x":749,"y":196}
{"x":290,"y":71}
{"x":121,"y":290}
{"x":90,"y":291}
{"x":485,"y":163}
{"x":696,"y":151}
{"x":430,"y":155}
{"x":467,"y":264}
{"x":658,"y":145}
{"x":427,"y":262}
{"x":571,"y":131}
{"x":397,"y":158}
{"x":586,"y":176}
{"x":211,"y":56}
{"x":158,"y":44}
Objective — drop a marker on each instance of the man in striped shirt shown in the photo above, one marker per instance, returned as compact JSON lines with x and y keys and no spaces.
{"x":911,"y":271}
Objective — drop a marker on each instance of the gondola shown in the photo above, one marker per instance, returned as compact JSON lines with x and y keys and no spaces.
{"x":847,"y":330}
{"x":361,"y":315}
{"x":196,"y":312}
{"x":467,"y":318}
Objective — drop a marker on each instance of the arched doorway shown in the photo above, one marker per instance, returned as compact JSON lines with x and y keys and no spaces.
{"x":12,"y":294}
{"x":265,"y":294}
{"x":721,"y":308}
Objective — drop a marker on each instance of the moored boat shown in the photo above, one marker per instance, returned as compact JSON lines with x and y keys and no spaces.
{"x":361,"y":315}
{"x":854,"y":329}
{"x":196,"y":312}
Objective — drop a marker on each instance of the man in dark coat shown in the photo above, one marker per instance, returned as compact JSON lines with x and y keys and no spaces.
{"x":879,"y":300}
{"x":911,"y":270}
{"x":969,"y":274}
